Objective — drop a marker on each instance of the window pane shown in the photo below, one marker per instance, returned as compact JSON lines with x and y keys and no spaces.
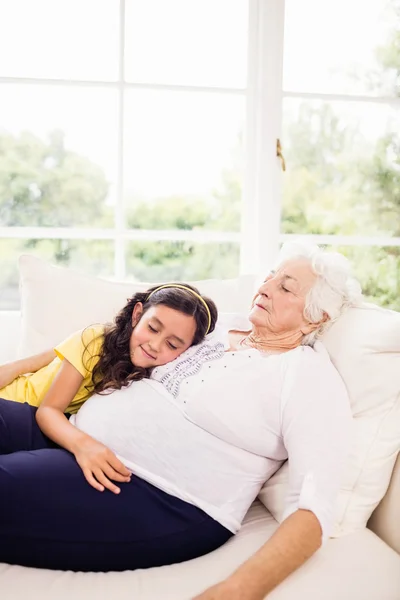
{"x":342,"y":47}
{"x":77,"y":39}
{"x":378,"y":270}
{"x":181,"y":261}
{"x":94,"y":257}
{"x":58,"y":148}
{"x":343,"y":168}
{"x":183,"y":158}
{"x":201,"y":42}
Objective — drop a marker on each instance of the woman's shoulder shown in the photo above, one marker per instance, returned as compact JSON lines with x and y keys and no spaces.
{"x":311,"y":361}
{"x":312,"y":376}
{"x":314,"y":364}
{"x":309,"y":354}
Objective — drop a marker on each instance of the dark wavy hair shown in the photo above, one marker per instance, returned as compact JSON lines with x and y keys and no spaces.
{"x":114,"y":369}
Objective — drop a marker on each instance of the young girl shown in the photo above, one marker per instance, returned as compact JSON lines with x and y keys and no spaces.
{"x":154,"y":328}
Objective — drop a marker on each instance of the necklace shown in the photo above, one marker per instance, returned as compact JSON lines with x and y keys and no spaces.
{"x":244,"y":342}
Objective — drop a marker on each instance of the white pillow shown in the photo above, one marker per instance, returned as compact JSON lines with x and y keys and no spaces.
{"x":364,"y":345}
{"x":56,"y":301}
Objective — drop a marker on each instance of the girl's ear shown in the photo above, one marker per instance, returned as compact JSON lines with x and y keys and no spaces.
{"x":137,"y":313}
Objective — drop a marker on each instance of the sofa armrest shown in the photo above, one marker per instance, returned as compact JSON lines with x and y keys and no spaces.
{"x":385,"y":520}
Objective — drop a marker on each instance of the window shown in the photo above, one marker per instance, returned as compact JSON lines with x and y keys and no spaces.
{"x":341,"y":124}
{"x":138,"y":139}
{"x":121,"y":137}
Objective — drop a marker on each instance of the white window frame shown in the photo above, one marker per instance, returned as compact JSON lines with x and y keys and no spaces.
{"x":338,"y":240}
{"x":260,"y":236}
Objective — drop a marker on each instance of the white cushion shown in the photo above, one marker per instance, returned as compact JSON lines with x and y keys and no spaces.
{"x":10,"y":326}
{"x":351,"y":568}
{"x":364,"y":345}
{"x":56,"y":301}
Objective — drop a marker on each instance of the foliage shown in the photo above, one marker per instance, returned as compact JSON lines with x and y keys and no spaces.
{"x":43,"y":184}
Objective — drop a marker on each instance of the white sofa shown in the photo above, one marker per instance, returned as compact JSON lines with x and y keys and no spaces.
{"x":361,"y":565}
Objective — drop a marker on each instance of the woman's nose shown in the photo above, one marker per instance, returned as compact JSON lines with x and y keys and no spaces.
{"x":265,"y":289}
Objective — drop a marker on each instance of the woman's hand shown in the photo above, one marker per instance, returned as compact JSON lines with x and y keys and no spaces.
{"x":7,"y":374}
{"x":229,"y":591}
{"x":100,"y":465}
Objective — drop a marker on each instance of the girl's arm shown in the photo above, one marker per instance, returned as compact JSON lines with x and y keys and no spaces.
{"x":12,"y":370}
{"x":97,"y":462}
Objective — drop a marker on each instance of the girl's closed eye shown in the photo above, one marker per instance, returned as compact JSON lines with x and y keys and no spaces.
{"x":172,"y":346}
{"x":152,"y":329}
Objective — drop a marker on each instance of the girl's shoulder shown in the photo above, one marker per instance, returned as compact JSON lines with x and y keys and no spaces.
{"x":93,"y":332}
{"x":92,"y":337}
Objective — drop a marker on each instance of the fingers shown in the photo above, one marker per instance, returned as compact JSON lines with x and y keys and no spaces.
{"x":98,"y":479}
{"x":111,"y":473}
{"x":118,"y":466}
{"x":102,"y":468}
{"x":102,"y":479}
{"x":92,"y":481}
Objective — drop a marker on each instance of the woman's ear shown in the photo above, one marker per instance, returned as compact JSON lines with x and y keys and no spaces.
{"x":309,"y":327}
{"x":137,"y":313}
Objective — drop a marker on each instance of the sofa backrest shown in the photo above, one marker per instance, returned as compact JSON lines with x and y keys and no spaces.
{"x":10,"y":328}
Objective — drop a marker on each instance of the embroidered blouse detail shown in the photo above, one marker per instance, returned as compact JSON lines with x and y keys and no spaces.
{"x":187,"y":365}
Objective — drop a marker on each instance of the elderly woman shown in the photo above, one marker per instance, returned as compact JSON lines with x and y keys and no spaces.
{"x":201,"y":437}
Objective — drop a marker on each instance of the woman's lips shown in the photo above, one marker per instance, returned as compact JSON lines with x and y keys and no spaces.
{"x":260,"y":306}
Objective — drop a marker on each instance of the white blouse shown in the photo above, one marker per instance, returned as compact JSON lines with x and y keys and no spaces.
{"x":212,"y":426}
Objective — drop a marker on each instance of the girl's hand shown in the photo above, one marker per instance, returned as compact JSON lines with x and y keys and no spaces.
{"x":7,"y":374}
{"x":100,"y":465}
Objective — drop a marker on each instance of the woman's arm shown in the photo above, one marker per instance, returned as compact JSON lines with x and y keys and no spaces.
{"x":293,"y":543}
{"x":12,"y":370}
{"x":97,"y":462}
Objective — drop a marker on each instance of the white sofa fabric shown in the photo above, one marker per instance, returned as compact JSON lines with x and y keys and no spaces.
{"x":359,"y":565}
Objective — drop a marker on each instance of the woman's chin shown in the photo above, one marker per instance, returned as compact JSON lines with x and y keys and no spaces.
{"x":256,"y":319}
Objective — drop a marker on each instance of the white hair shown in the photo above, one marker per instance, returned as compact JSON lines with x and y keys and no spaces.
{"x":335,"y":288}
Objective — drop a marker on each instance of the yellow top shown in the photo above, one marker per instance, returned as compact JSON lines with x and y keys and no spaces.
{"x":82,"y":350}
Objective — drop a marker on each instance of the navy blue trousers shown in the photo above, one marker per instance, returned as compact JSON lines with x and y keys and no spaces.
{"x":50,"y":517}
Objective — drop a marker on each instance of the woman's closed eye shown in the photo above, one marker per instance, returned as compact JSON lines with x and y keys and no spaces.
{"x":152,"y":329}
{"x":285,"y":289}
